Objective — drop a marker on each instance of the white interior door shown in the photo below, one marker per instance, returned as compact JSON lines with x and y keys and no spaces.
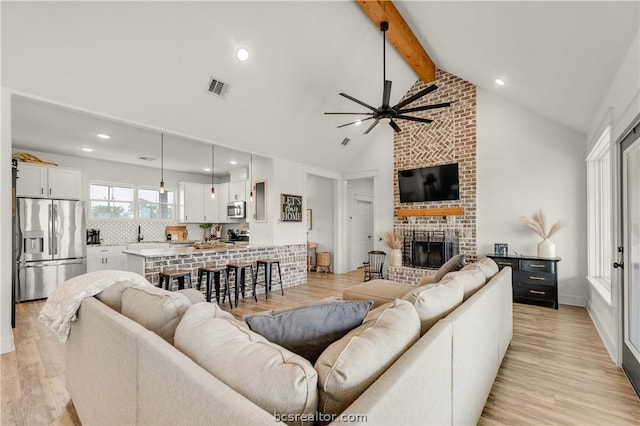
{"x":363,"y":235}
{"x":630,"y":149}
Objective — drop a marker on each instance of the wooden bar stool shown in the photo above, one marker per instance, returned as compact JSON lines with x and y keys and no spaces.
{"x":240,"y":269}
{"x":213,"y":273}
{"x":268,"y":264}
{"x":182,"y":275}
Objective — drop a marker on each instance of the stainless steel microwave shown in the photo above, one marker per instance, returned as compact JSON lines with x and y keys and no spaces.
{"x":237,"y":210}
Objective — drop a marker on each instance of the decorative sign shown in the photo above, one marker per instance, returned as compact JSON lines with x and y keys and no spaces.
{"x":290,"y":208}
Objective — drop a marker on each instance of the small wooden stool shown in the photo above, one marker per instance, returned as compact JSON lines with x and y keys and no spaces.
{"x":240,"y":269}
{"x":213,"y":274}
{"x":267,"y":263}
{"x":182,"y":275}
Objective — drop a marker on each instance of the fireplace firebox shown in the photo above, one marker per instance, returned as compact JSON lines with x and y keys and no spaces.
{"x":428,"y":249}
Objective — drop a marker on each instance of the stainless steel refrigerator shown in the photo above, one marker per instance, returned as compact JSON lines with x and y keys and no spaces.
{"x":51,"y":245}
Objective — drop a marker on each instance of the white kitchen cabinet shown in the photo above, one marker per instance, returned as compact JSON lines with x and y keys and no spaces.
{"x":222,"y":193}
{"x":211,"y":205}
{"x":238,"y":191}
{"x":102,"y":258}
{"x":191,"y":203}
{"x":48,"y":182}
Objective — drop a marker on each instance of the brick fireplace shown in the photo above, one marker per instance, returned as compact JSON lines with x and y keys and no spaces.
{"x":451,"y":138}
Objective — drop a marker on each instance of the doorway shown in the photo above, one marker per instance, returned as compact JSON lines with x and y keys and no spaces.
{"x":363,"y":227}
{"x":630,"y":196}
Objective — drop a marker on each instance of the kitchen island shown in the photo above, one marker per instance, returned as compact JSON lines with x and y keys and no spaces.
{"x":150,"y":262}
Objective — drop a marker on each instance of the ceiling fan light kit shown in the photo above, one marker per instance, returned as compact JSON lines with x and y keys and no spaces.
{"x":396,"y":112}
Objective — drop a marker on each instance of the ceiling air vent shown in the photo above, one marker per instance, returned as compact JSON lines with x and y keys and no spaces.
{"x":217,"y":87}
{"x":346,"y":141}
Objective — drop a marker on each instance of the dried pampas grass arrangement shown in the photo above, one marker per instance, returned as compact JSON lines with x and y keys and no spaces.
{"x":537,"y":222}
{"x":393,"y":239}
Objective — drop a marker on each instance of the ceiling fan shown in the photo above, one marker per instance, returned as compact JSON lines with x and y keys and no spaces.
{"x":396,"y":112}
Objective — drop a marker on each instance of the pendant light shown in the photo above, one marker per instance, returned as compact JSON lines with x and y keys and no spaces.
{"x":251,"y":177}
{"x":213,"y":189}
{"x":162,"y":163}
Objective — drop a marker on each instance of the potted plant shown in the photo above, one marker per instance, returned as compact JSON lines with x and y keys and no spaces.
{"x":537,"y":222}
{"x":393,"y":240}
{"x":207,"y":231}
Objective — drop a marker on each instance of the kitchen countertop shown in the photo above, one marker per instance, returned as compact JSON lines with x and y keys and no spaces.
{"x":173,"y":251}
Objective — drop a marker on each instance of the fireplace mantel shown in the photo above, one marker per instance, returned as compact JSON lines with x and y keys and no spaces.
{"x":440,"y":211}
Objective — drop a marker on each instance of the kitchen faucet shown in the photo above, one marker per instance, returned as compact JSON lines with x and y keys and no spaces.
{"x":139,"y":234}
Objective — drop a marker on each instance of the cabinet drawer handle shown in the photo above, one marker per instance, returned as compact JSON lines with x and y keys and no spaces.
{"x":504,"y":263}
{"x":537,"y":266}
{"x":537,"y":278}
{"x":537,"y":292}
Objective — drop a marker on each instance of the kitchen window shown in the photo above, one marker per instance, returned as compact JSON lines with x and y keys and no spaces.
{"x":111,"y":201}
{"x":154,"y":205}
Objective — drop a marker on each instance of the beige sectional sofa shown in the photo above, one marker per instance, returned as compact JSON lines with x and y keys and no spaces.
{"x":119,"y":371}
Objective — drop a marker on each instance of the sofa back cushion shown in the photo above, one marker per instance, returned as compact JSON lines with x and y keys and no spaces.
{"x":487,"y":265}
{"x":435,"y":301}
{"x":308,"y":330}
{"x":155,"y":309}
{"x":272,"y":377}
{"x":350,"y":365}
{"x":471,"y":279}
{"x":112,"y":295}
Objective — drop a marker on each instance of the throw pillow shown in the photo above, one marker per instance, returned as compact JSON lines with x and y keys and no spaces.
{"x":350,"y":365}
{"x":308,"y":330}
{"x":454,"y":264}
{"x":471,"y":280}
{"x":272,"y":377}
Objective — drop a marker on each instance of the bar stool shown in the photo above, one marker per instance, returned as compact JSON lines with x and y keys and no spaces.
{"x":213,"y":273}
{"x":182,"y":275}
{"x":267,"y":263}
{"x":240,"y":269}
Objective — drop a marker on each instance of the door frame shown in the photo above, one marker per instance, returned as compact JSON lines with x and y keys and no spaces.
{"x":352,"y":255}
{"x":620,"y":205}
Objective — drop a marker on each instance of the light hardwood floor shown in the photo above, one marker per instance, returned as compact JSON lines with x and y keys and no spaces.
{"x":556,"y":370}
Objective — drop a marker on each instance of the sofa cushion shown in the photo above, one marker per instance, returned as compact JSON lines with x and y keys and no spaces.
{"x":488,"y":266}
{"x":272,"y":377}
{"x":156,"y":309}
{"x":451,"y":265}
{"x":194,"y":296}
{"x":435,"y":301}
{"x":112,"y":295}
{"x":471,"y":279}
{"x":308,"y":330}
{"x":380,"y":291}
{"x":350,"y":365}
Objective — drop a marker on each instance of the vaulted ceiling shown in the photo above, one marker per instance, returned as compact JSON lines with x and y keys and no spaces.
{"x":149,"y":63}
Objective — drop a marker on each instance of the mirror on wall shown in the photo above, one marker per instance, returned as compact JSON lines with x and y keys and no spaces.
{"x":261,"y":200}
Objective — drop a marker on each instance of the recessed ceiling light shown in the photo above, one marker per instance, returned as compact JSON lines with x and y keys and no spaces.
{"x":234,"y":162}
{"x":103,"y":136}
{"x":499,"y":81}
{"x":206,"y":169}
{"x":87,"y":149}
{"x":242,"y":54}
{"x":358,"y":122}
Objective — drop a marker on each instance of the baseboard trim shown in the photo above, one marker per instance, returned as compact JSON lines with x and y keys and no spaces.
{"x":566,"y":299}
{"x":607,"y":340}
{"x":7,"y":344}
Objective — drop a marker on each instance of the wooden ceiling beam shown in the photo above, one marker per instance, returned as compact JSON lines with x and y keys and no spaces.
{"x":401,"y":36}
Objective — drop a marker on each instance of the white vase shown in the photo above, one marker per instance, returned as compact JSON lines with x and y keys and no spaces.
{"x":395,"y":257}
{"x":546,"y":248}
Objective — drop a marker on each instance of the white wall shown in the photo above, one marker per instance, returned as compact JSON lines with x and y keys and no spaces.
{"x":288,"y":178}
{"x":527,"y":162}
{"x":320,"y":199}
{"x":620,"y":106}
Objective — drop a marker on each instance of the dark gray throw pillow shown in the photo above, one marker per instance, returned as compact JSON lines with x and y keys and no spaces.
{"x":307,"y":331}
{"x":454,"y":264}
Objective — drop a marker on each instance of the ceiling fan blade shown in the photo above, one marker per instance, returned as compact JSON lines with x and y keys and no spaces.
{"x":419,"y":119}
{"x":395,"y":126}
{"x":416,"y":96}
{"x":351,"y":98}
{"x":372,"y":126}
{"x":386,"y":94}
{"x":425,"y":108}
{"x":348,"y":113}
{"x":355,"y":122}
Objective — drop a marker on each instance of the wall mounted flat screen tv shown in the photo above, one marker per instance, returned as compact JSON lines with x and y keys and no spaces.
{"x":436,"y":183}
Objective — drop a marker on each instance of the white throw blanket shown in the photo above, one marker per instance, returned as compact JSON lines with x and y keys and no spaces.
{"x":63,"y":304}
